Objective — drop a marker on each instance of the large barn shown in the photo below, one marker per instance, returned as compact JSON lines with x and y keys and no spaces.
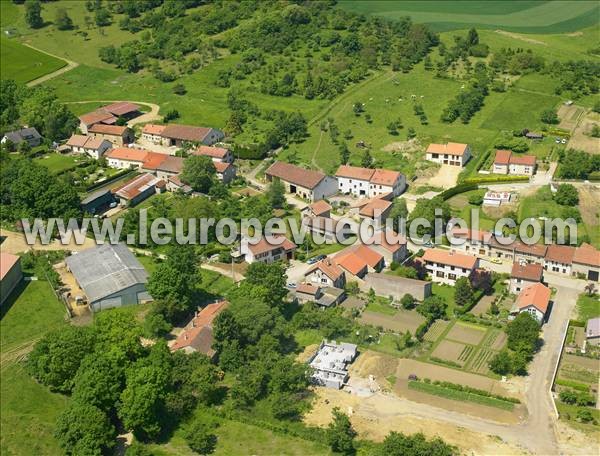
{"x":110,"y":276}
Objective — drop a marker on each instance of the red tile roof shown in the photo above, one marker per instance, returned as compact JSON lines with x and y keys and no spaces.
{"x":7,"y":261}
{"x":451,"y":148}
{"x":307,"y":288}
{"x":171,"y":164}
{"x":152,"y":160}
{"x":502,"y":157}
{"x":560,"y":253}
{"x":328,"y":267}
{"x":351,"y":262}
{"x":198,"y":333}
{"x":221,"y":167}
{"x":214,"y":152}
{"x":385,"y":177}
{"x":526,"y":160}
{"x":153,"y":129}
{"x":389,"y":240}
{"x":121,"y":108}
{"x":354,"y":172}
{"x":587,"y":254}
{"x":295,"y":175}
{"x":320,"y":207}
{"x":358,"y":257}
{"x":531,"y":271}
{"x":77,"y":140}
{"x":114,"y":130}
{"x":127,"y":154}
{"x":470,"y":234}
{"x":264,"y":245}
{"x":137,"y":185}
{"x":536,"y":295}
{"x":375,"y":207}
{"x":449,"y":258}
{"x":185,"y":132}
{"x":96,"y":116}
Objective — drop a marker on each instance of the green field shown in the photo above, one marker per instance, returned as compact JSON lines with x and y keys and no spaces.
{"x":28,"y":410}
{"x":588,"y":307}
{"x":455,"y":395}
{"x":518,"y":16}
{"x":23,"y":64}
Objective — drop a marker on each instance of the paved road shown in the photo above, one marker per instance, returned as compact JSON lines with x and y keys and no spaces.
{"x":70,"y":65}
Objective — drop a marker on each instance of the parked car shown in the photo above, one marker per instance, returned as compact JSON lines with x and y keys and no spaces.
{"x":292,"y":285}
{"x":413,"y":377}
{"x":496,"y":261}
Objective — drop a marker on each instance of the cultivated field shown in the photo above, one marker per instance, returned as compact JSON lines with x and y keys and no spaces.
{"x":526,"y":17}
{"x":468,"y":334}
{"x":399,"y":322}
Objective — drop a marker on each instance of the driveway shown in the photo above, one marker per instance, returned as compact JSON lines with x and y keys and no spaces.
{"x":295,"y":271}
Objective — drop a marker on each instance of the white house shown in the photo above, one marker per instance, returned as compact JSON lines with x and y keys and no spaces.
{"x":533,"y":299}
{"x":455,"y":154}
{"x":307,"y":184}
{"x":370,"y":183}
{"x":447,"y":267}
{"x":275,"y":248}
{"x":559,"y":258}
{"x":326,"y":273}
{"x":124,"y":157}
{"x":390,"y":245}
{"x":469,"y":241}
{"x":506,"y":162}
{"x":94,"y":147}
{"x":153,"y":133}
{"x":525,"y":274}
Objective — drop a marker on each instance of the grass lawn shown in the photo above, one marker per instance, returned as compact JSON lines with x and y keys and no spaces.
{"x":234,"y":437}
{"x":381,"y":305}
{"x":306,"y":337}
{"x":588,"y":307}
{"x":453,"y":394}
{"x":31,"y":307}
{"x":58,"y":163}
{"x":24,"y":64}
{"x":568,"y":413}
{"x":28,"y":410}
{"x":149,"y":263}
{"x":215,"y":283}
{"x":447,"y":293}
{"x":522,"y":16}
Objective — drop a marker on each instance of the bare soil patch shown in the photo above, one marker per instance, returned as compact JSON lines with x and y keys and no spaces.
{"x":569,"y":116}
{"x":581,"y":139}
{"x":15,"y":243}
{"x":466,"y":334}
{"x":402,"y":321}
{"x":483,"y":305}
{"x":451,"y":351}
{"x":517,"y":36}
{"x":436,"y":330}
{"x":589,"y":205}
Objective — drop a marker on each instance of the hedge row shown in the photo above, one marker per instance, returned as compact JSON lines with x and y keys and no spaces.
{"x":250,"y":152}
{"x":479,"y":392}
{"x":112,"y":178}
{"x":495,"y":179}
{"x":460,"y":188}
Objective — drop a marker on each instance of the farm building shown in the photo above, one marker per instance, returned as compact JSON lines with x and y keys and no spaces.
{"x":559,"y":258}
{"x":174,"y":184}
{"x":524,"y":274}
{"x":138,"y":189}
{"x":455,"y":154}
{"x":225,"y":171}
{"x":118,"y":135}
{"x":586,"y":262}
{"x":124,"y":157}
{"x":10,"y":274}
{"x":496,"y":199}
{"x":108,"y":115}
{"x":110,"y":276}
{"x":97,"y":201}
{"x":472,"y":242}
{"x":307,"y":184}
{"x":177,"y":135}
{"x":197,"y":336}
{"x":27,"y":134}
{"x":330,"y":363}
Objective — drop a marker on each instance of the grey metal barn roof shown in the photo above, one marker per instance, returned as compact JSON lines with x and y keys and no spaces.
{"x":106,"y":269}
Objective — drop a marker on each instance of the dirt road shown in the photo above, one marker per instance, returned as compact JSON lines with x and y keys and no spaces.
{"x":70,"y":65}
